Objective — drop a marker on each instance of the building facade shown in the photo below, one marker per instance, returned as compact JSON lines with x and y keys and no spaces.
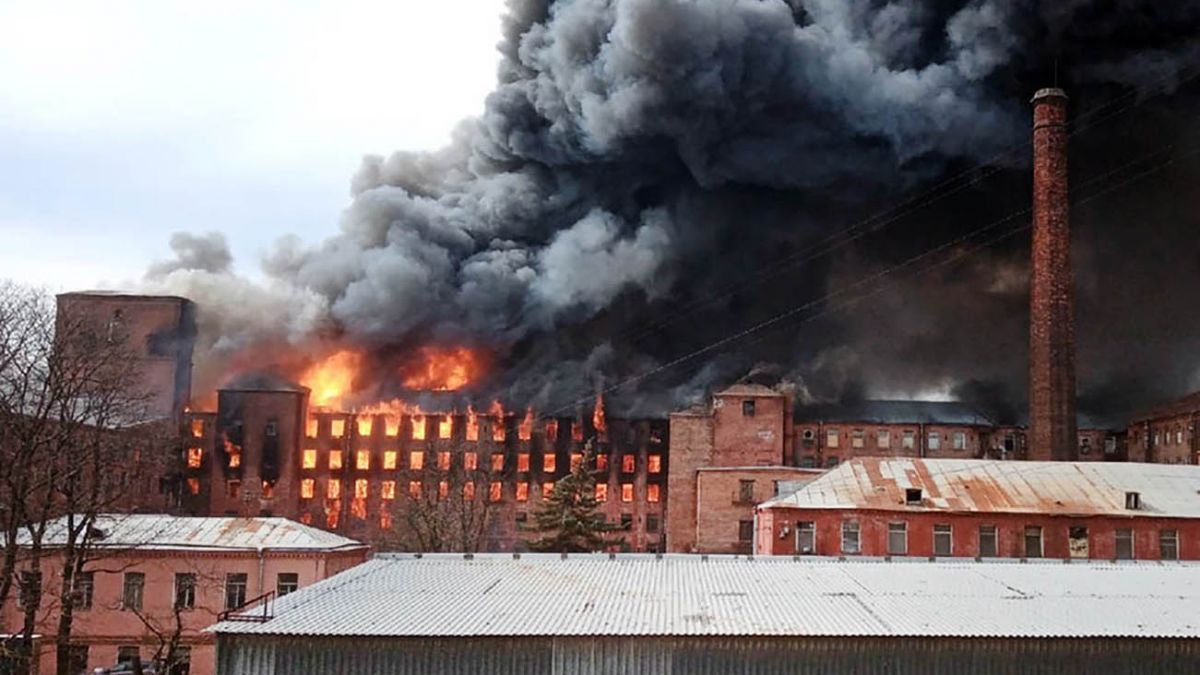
{"x":717,"y":615}
{"x":989,"y":509}
{"x":155,"y":579}
{"x":369,"y":475}
{"x":160,"y":332}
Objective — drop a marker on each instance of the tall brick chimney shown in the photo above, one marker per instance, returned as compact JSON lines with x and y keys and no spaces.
{"x":1052,"y":432}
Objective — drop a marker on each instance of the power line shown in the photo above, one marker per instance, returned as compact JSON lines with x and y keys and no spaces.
{"x":887,"y":272}
{"x":894,"y":214}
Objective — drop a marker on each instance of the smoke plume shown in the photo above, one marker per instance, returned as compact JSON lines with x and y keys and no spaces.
{"x":639,"y":159}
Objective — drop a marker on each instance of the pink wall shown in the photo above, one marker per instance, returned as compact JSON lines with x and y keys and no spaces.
{"x":106,"y":626}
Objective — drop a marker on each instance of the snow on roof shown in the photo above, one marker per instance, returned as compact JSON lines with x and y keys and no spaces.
{"x":493,"y":595}
{"x":993,"y":486}
{"x":164,"y":532}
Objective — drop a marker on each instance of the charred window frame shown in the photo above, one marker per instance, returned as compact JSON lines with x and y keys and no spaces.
{"x":748,"y":408}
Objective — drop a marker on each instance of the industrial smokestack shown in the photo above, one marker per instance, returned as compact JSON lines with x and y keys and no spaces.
{"x":1052,"y":431}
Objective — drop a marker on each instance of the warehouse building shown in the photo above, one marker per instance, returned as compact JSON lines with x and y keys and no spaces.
{"x":905,"y":506}
{"x":503,"y":614}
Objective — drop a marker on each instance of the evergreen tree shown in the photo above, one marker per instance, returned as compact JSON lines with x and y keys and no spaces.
{"x":569,"y":520}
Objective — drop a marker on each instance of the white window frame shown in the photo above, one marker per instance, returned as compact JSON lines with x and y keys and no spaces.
{"x":903,"y":530}
{"x":846,"y":524}
{"x":949,"y":533}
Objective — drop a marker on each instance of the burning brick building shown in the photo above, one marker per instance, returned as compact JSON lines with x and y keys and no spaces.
{"x":266,"y":451}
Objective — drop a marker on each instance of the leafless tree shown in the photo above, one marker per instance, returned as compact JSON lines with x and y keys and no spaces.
{"x":74,"y":434}
{"x":450,"y":511}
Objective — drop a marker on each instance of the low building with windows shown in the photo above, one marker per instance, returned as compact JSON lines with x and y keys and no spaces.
{"x":154,"y":579}
{"x":1167,"y":434}
{"x":965,"y":508}
{"x":714,"y":615}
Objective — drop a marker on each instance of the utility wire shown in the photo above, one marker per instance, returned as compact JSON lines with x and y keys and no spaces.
{"x":888,"y":272}
{"x":944,"y":189}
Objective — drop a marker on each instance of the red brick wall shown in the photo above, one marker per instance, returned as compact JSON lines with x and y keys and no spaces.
{"x":160,"y":332}
{"x":1052,"y":432}
{"x":1010,"y":533}
{"x":253,"y":411}
{"x":691,"y":449}
{"x":748,"y":440}
{"x":720,"y":506}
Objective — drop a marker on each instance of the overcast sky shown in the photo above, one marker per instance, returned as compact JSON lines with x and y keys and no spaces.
{"x":123,"y":121}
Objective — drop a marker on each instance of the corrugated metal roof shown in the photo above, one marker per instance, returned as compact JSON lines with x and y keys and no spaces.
{"x":542,"y":595}
{"x":975,"y":485}
{"x":158,"y":532}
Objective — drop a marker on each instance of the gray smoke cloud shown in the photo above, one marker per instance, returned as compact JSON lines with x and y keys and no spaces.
{"x":639,"y":155}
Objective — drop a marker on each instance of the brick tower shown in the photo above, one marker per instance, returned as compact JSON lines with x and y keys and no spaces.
{"x":1052,"y":432}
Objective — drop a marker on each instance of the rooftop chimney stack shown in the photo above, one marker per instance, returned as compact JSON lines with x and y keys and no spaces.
{"x":1052,"y":432}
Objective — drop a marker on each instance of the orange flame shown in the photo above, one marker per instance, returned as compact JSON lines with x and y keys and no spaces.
{"x":445,"y":426}
{"x":497,"y":411}
{"x":418,"y":427}
{"x":598,"y":418}
{"x":551,"y":429}
{"x":391,"y":412}
{"x":364,"y":425}
{"x":332,"y":378}
{"x":442,"y":369}
{"x":525,"y":430}
{"x":472,"y":424}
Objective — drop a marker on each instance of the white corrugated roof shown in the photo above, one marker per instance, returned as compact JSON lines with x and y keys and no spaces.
{"x":157,"y":532}
{"x":497,"y":595}
{"x":994,"y":486}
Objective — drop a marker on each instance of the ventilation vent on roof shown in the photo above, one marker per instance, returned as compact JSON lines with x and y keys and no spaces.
{"x":913,"y":495}
{"x":1133,"y":501}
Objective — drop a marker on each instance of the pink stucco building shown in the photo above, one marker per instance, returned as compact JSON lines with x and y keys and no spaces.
{"x":150,"y":566}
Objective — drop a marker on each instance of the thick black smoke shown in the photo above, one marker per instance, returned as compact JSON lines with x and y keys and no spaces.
{"x":642,"y":164}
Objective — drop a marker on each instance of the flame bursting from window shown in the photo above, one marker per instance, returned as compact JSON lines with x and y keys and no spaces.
{"x":472,"y":424}
{"x":525,"y":430}
{"x":598,"y":418}
{"x":442,"y":369}
{"x":445,"y":426}
{"x":497,"y":412}
{"x":332,"y":378}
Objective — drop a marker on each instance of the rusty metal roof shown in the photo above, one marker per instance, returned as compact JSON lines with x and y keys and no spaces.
{"x":992,"y":486}
{"x":164,"y":532}
{"x":492,"y":595}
